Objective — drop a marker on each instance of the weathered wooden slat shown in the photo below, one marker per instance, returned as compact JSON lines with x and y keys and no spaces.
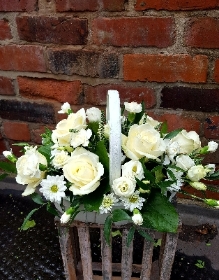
{"x":147,"y":257}
{"x":106,"y":252}
{"x":126,"y":265}
{"x":85,"y":250}
{"x":66,"y":246}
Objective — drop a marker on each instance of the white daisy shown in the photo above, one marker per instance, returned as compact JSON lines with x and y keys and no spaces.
{"x":108,"y":201}
{"x":133,"y":201}
{"x":53,"y":188}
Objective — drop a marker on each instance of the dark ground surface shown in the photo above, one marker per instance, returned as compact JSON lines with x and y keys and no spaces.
{"x":35,"y":254}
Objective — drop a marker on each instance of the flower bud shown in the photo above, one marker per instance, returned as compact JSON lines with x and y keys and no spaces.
{"x":66,"y":215}
{"x":212,"y":202}
{"x":198,"y":186}
{"x":10,"y":156}
{"x":137,"y":218}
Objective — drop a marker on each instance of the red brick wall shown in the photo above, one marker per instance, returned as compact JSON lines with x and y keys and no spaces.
{"x":163,"y":52}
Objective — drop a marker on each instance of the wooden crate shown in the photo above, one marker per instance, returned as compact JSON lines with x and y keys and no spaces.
{"x":75,"y":244}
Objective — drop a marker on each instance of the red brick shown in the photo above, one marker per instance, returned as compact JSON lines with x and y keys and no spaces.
{"x":190,"y":99}
{"x":173,"y":5}
{"x":134,"y":31}
{"x":216,"y":71}
{"x":211,"y":127}
{"x":203,"y":33}
{"x":59,"y":90}
{"x":5,"y":31}
{"x":113,"y":5}
{"x":57,"y":30}
{"x":16,"y":131}
{"x":6,"y":86}
{"x":77,"y":5}
{"x":175,"y":121}
{"x":97,"y":95}
{"x":22,"y":58}
{"x":18,"y":5}
{"x":165,"y":68}
{"x":83,"y":62}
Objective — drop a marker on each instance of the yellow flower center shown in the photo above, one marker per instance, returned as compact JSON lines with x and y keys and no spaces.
{"x":133,"y":198}
{"x":107,"y":202}
{"x":54,"y":188}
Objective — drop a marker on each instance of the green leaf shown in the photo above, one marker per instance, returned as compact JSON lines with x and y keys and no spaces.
{"x":214,"y":176}
{"x":142,"y":185}
{"x":145,"y":235}
{"x":23,"y":226}
{"x":173,"y":133}
{"x":37,"y":198}
{"x":130,"y":236}
{"x":29,"y":224}
{"x":158,"y":171}
{"x":116,"y":233}
{"x":148,"y":175}
{"x":52,"y":210}
{"x":107,"y":229}
{"x":93,"y":200}
{"x":120,"y":215}
{"x":3,"y":176}
{"x":8,"y":167}
{"x":21,"y":144}
{"x":46,"y":152}
{"x":94,"y":126}
{"x":159,"y":214}
{"x":164,"y":185}
{"x":138,"y":116}
{"x":164,"y":128}
{"x":101,"y":151}
{"x":42,"y":167}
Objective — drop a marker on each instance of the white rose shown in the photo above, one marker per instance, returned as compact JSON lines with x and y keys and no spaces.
{"x":81,"y":138}
{"x":212,"y":146}
{"x":133,"y":169}
{"x":84,"y":171}
{"x":184,"y":162}
{"x":188,"y":141}
{"x":196,"y":173}
{"x":28,"y":172}
{"x":62,"y":134}
{"x":143,"y":141}
{"x":137,"y":219}
{"x":65,"y":108}
{"x":133,"y":107}
{"x":60,"y":159}
{"x":93,"y":114}
{"x":124,"y":186}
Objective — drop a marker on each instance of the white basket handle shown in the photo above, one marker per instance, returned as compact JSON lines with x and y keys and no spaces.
{"x":114,"y":120}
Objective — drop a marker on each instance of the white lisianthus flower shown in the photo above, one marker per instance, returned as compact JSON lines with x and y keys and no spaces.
{"x":60,"y":159}
{"x":108,"y":201}
{"x":62,"y":134}
{"x":172,"y":149}
{"x":188,"y":141}
{"x":133,"y":201}
{"x":65,"y":108}
{"x":132,"y":169}
{"x":124,"y":186}
{"x":143,"y":141}
{"x":198,"y":186}
{"x":53,"y":188}
{"x":28,"y":171}
{"x":137,"y":219}
{"x":81,"y":138}
{"x":133,"y":107}
{"x":212,"y":146}
{"x":93,"y":114}
{"x":184,"y":162}
{"x":196,"y":173}
{"x":210,"y":168}
{"x":84,"y":171}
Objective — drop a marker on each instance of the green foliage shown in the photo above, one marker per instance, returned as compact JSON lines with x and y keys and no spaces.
{"x":200,"y":264}
{"x":52,"y":210}
{"x":173,"y":133}
{"x":46,"y":152}
{"x":107,"y":229}
{"x":8,"y":167}
{"x":37,"y":198}
{"x":145,"y":235}
{"x":101,"y":151}
{"x":163,"y":129}
{"x":159,"y":214}
{"x":27,"y":223}
{"x":120,"y":215}
{"x":130,"y":236}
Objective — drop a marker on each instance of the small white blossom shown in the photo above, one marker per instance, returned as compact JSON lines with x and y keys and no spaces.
{"x":212,"y":146}
{"x":133,"y":107}
{"x":137,"y":219}
{"x":133,"y":201}
{"x":81,"y":138}
{"x":60,"y":159}
{"x":108,"y":201}
{"x":93,"y":114}
{"x":65,"y":108}
{"x":53,"y":188}
{"x":65,"y":218}
{"x":7,"y":153}
{"x":210,"y":168}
